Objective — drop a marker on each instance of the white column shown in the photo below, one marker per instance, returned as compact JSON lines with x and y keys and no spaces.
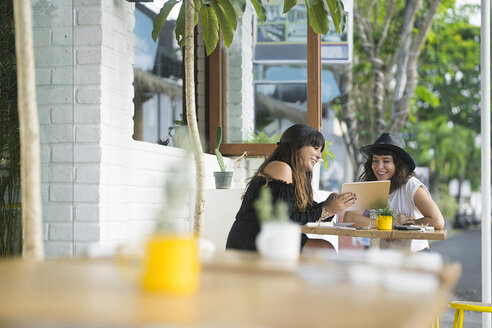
{"x":485,"y":112}
{"x":240,"y":92}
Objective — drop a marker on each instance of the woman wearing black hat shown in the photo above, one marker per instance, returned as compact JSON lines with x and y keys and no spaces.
{"x":288,"y":173}
{"x":409,"y":198}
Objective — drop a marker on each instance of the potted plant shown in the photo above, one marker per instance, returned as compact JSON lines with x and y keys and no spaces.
{"x":178,"y":133}
{"x":384,"y":219}
{"x":279,"y":238}
{"x":223,"y":178}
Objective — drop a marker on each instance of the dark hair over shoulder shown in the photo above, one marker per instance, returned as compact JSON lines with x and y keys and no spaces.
{"x":402,"y":170}
{"x":288,"y":151}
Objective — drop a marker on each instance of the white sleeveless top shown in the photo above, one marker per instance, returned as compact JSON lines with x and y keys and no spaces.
{"x":401,"y":201}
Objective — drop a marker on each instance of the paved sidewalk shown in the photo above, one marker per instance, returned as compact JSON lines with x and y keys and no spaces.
{"x":470,"y":320}
{"x":463,"y":246}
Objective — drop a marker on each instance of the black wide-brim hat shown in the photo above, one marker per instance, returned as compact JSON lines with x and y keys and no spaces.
{"x":391,"y":141}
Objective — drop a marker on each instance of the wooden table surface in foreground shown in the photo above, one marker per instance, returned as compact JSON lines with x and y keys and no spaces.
{"x":236,"y":290}
{"x":375,"y":233}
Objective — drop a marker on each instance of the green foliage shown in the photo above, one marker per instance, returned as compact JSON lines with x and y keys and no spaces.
{"x":225,"y":12}
{"x":449,"y":150}
{"x":288,"y":4}
{"x":262,"y":137}
{"x":180,"y":27}
{"x":10,"y":180}
{"x":447,"y":203}
{"x":222,"y":15}
{"x":450,"y":69}
{"x":327,"y":155}
{"x":337,"y":10}
{"x":260,"y":10}
{"x":385,"y":212}
{"x":218,"y":140}
{"x":269,"y":212}
{"x":161,"y":17}
{"x":210,"y":25}
{"x":318,"y":18}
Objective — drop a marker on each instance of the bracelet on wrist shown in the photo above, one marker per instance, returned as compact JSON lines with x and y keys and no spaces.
{"x":324,"y":215}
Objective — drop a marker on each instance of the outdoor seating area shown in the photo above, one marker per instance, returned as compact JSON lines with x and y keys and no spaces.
{"x":239,"y":289}
{"x":264,"y":164}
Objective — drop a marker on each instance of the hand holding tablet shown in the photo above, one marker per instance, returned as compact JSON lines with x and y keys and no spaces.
{"x":369,"y":194}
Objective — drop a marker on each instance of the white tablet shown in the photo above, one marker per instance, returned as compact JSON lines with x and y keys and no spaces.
{"x":370,"y":194}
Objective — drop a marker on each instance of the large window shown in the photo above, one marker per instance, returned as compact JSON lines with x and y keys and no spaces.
{"x":158,"y":81}
{"x":271,"y":78}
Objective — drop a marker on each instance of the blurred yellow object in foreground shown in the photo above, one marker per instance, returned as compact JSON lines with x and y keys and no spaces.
{"x":171,"y":264}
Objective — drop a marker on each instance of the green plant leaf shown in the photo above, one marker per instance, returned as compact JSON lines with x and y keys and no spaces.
{"x":288,"y":4}
{"x":385,"y":212}
{"x":181,"y":27}
{"x":229,"y":11}
{"x":218,"y":137}
{"x":161,"y":18}
{"x":225,"y":24}
{"x":220,"y":160}
{"x":239,"y":7}
{"x":210,"y":26}
{"x":327,"y":155}
{"x":260,"y":10}
{"x":336,"y":12}
{"x":318,"y":17}
{"x":267,"y":211}
{"x":198,"y":6}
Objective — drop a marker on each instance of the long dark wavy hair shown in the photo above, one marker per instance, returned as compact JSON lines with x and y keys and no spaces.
{"x":288,"y":151}
{"x":402,"y":170}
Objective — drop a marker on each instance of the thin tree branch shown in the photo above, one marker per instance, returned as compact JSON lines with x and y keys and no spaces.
{"x":409,"y":20}
{"x":191,"y":117}
{"x":371,"y":6}
{"x":387,"y":24}
{"x":424,"y":28}
{"x":402,"y":107}
{"x":363,"y":33}
{"x":29,"y":132}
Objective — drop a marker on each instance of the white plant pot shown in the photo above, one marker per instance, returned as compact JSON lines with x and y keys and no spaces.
{"x":279,"y":241}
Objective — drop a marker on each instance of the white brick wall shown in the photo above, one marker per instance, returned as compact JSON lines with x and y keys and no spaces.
{"x":52,"y":22}
{"x":240,"y":93}
{"x":100,"y":188}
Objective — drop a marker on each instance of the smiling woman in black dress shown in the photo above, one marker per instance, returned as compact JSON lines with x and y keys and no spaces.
{"x":288,"y":173}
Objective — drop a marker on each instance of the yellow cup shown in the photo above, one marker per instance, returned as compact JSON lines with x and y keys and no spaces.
{"x":171,"y":264}
{"x":384,"y":222}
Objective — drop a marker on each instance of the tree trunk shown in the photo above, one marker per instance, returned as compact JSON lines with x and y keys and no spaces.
{"x":401,"y":109}
{"x":191,"y":118}
{"x":391,"y":38}
{"x":29,"y":133}
{"x":351,"y":136}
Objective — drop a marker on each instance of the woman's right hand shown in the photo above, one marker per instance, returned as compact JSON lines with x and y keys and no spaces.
{"x":336,"y":203}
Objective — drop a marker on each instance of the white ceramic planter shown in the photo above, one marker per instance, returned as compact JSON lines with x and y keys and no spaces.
{"x":279,"y":241}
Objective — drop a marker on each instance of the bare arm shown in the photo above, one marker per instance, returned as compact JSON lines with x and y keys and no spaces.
{"x":279,"y":170}
{"x":360,"y":220}
{"x":431,"y":213}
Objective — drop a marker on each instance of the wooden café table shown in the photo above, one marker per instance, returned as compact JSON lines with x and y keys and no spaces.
{"x":237,"y":289}
{"x":376,"y":234}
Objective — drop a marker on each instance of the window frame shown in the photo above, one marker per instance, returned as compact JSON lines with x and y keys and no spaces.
{"x":215,"y":101}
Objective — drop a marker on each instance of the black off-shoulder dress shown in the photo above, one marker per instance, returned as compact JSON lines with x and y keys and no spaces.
{"x":247,"y":226}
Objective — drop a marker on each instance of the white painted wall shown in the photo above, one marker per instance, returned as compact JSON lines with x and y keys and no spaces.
{"x":240,"y":91}
{"x":100,"y":188}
